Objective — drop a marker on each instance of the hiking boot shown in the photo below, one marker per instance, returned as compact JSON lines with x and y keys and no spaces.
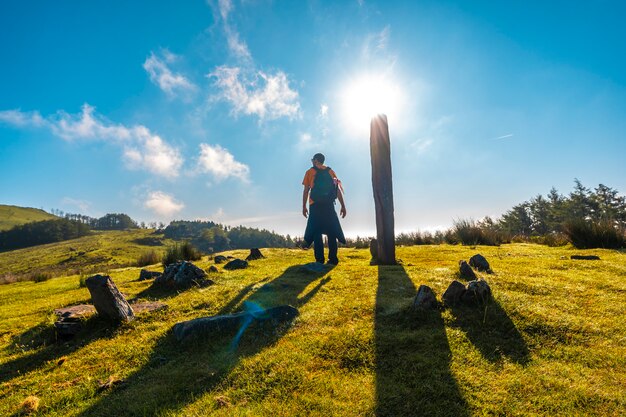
{"x":332,"y":262}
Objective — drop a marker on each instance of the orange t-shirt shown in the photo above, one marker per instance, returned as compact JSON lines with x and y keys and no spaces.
{"x":309,"y":179}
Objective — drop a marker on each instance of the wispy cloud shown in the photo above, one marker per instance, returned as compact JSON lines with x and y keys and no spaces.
{"x":248,"y":90}
{"x":221,"y":164}
{"x":162,"y":204}
{"x":82,"y":205}
{"x":323,"y":111}
{"x":141,"y":148}
{"x":173,"y":84}
{"x":267,"y":96}
{"x":504,"y":136}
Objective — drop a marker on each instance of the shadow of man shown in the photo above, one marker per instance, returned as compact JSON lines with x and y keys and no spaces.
{"x":413,"y":376}
{"x":176,"y":374}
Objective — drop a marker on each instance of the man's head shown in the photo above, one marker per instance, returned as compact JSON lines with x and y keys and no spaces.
{"x":319,"y":158}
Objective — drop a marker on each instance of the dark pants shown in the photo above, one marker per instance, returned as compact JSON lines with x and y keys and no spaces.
{"x":318,"y":248}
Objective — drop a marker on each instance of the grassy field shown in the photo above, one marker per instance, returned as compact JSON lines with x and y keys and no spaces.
{"x":552,"y":341}
{"x":11,"y":216}
{"x":100,"y":251}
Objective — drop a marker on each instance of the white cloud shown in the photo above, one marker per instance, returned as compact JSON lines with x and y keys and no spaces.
{"x":324,"y":111}
{"x":142,"y":149}
{"x":220,"y":163}
{"x":267,"y":96}
{"x":171,"y":83}
{"x":163,"y":204}
{"x":21,"y":119}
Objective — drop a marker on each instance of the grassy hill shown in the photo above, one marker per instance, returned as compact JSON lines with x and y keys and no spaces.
{"x":100,"y":251}
{"x":552,"y":341}
{"x":11,"y":216}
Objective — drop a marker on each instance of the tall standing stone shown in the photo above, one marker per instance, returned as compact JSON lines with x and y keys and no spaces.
{"x":107,"y":299}
{"x":380,"y":151}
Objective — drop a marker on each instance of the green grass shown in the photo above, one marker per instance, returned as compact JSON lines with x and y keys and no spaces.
{"x":11,"y":216}
{"x":98,"y":252}
{"x":552,"y":342}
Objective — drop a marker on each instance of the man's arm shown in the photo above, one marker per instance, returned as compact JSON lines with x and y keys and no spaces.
{"x":305,"y":197}
{"x":342,"y":212}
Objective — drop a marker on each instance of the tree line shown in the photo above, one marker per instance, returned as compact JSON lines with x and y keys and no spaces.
{"x":213,"y":237}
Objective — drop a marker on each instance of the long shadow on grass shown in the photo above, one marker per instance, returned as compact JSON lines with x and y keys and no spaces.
{"x":491,"y":330}
{"x":176,"y":374}
{"x":42,"y":342}
{"x":413,"y":376}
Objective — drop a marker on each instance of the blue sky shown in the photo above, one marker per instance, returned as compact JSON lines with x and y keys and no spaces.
{"x":212,"y":110}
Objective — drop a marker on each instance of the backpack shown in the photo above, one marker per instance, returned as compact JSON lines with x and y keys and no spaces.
{"x":324,"y":187}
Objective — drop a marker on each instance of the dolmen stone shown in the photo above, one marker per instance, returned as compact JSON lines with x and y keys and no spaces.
{"x":453,"y":294}
{"x":477,"y":291}
{"x":108,"y":300}
{"x":236,"y":264}
{"x":586,"y":257}
{"x":216,"y":326}
{"x":425,"y":298}
{"x":466,"y":271}
{"x":255,"y":254}
{"x":480,"y":263}
{"x":182,"y":274}
{"x":144,"y":274}
{"x":374,"y":251}
{"x":220,"y":259}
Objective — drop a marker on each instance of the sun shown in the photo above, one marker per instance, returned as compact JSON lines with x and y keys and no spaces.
{"x":368,"y":95}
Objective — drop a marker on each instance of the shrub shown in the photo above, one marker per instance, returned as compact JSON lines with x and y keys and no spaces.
{"x":586,"y":234}
{"x":148,"y":258}
{"x":41,"y":276}
{"x":183,"y":252}
{"x":82,"y":280}
{"x":468,"y":232}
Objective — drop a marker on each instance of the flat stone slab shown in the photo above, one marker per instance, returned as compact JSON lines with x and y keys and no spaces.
{"x":215,"y":326}
{"x":83,"y":311}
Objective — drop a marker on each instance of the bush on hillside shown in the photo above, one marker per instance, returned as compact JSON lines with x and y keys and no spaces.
{"x":468,"y":232}
{"x":585,"y":234}
{"x":183,"y":252}
{"x":148,"y":258}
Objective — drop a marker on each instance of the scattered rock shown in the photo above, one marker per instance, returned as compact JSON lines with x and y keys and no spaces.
{"x":110,"y":383}
{"x":454,"y":293}
{"x":145,"y":274}
{"x":181,"y":274}
{"x":77,"y":312}
{"x":107,"y":299}
{"x":425,"y":298}
{"x":255,"y":254}
{"x":314,"y":267}
{"x":466,"y":271}
{"x":480,"y":263}
{"x":478,"y":291}
{"x":61,"y":360}
{"x":213,"y":269}
{"x":29,"y":405}
{"x":220,"y":259}
{"x":586,"y":257}
{"x":236,"y":264}
{"x":216,"y":326}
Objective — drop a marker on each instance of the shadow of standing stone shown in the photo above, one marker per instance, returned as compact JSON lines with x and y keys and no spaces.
{"x":108,"y":300}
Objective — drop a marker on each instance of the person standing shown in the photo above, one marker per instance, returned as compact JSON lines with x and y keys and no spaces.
{"x":321,"y":188}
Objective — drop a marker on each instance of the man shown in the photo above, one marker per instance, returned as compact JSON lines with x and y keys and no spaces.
{"x":321,"y":186}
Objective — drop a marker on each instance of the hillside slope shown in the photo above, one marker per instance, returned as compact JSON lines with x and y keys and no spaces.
{"x":11,"y":216}
{"x":99,"y":251}
{"x":551,"y":342}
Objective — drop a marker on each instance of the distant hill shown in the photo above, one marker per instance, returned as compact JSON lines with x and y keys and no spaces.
{"x":11,"y":216}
